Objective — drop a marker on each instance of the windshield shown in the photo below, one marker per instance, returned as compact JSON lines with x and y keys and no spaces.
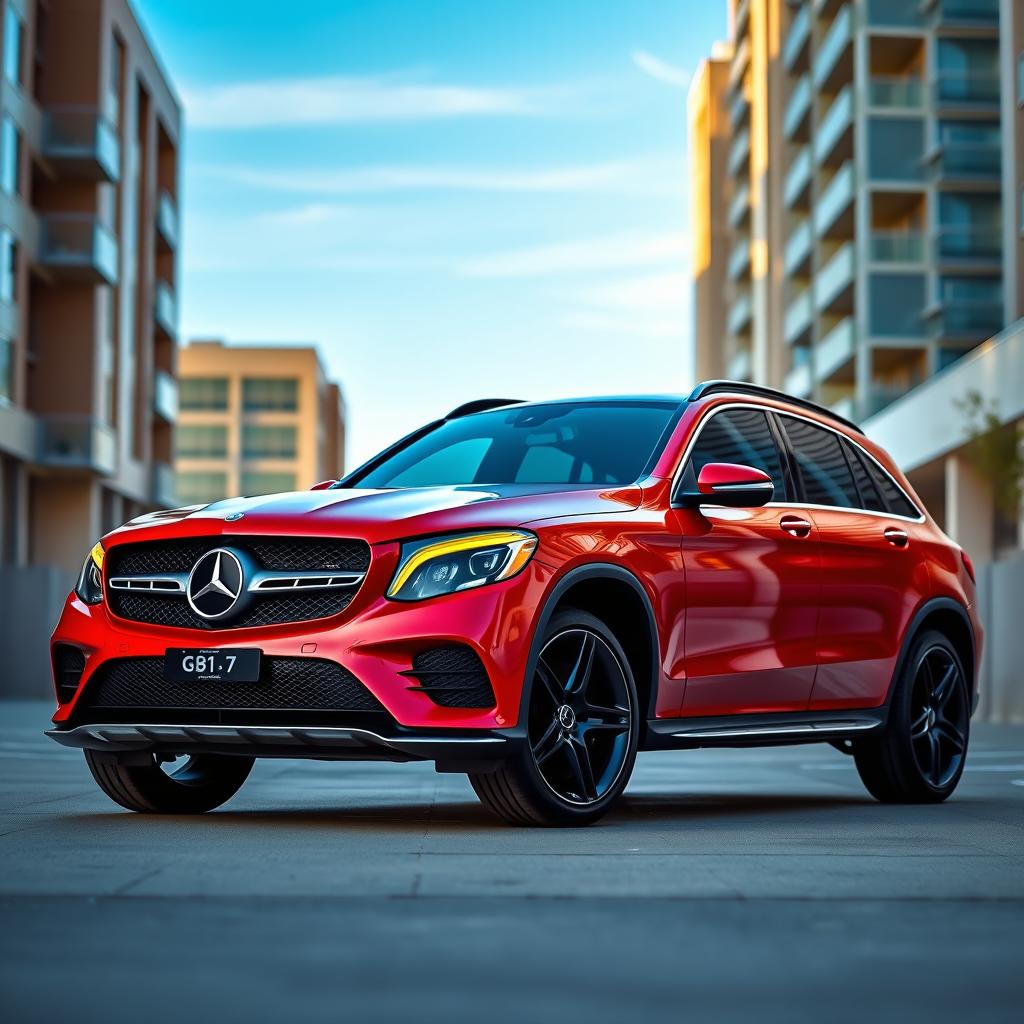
{"x":562,"y":443}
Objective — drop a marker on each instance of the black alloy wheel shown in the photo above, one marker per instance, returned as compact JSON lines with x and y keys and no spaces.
{"x":582,"y":730}
{"x":939,"y":716}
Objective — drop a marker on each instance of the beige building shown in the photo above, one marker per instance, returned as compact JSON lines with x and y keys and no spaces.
{"x":89,"y":133}
{"x":255,"y":419}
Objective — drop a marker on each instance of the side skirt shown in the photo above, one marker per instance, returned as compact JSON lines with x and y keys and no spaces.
{"x":777,"y":729}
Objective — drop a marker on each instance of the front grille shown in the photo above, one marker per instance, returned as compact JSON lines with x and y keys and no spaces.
{"x":454,"y":677}
{"x":285,"y":684}
{"x":282,"y":554}
{"x":68,"y":666}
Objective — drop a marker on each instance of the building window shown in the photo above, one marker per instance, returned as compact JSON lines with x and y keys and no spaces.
{"x":201,"y":487}
{"x":8,"y":266}
{"x":270,"y":394}
{"x":896,"y":148}
{"x":12,"y":46}
{"x":6,"y":371}
{"x":205,"y":394}
{"x":269,"y":442}
{"x":10,"y":157}
{"x":896,"y":304}
{"x":267,"y":483}
{"x":968,"y":70}
{"x":202,"y":441}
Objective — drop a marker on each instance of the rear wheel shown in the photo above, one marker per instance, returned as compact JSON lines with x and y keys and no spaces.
{"x":187,"y":785}
{"x":582,"y":731}
{"x":920,"y":757}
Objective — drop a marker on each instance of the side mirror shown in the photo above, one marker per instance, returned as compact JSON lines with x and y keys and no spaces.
{"x":723,"y":483}
{"x":323,"y":485}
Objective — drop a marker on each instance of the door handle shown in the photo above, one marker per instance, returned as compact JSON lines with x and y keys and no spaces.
{"x":795,"y":526}
{"x":896,"y":537}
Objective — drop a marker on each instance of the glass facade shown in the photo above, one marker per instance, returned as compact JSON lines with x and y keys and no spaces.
{"x":968,"y":70}
{"x":270,"y":394}
{"x":10,"y":157}
{"x":13,"y":32}
{"x":202,"y":441}
{"x":200,"y":487}
{"x":896,"y":301}
{"x":8,"y":266}
{"x":896,"y":148}
{"x":269,"y":442}
{"x":267,"y":483}
{"x":6,"y":371}
{"x":204,"y":394}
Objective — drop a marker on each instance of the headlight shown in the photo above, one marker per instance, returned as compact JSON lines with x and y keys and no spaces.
{"x":443,"y":565}
{"x":90,"y":582}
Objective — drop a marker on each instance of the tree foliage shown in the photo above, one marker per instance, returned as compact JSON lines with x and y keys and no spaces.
{"x":996,"y":451}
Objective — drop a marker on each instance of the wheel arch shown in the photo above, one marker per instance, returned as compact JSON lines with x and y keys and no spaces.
{"x":592,"y":588}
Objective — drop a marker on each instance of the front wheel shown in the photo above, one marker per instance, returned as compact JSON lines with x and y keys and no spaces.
{"x":920,"y":757}
{"x":582,"y":730}
{"x":186,"y":785}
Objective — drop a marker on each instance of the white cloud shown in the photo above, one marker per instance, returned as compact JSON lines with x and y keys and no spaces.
{"x":653,"y":305}
{"x":646,"y":176}
{"x":661,"y":69}
{"x":621,"y":251}
{"x":337,"y":99}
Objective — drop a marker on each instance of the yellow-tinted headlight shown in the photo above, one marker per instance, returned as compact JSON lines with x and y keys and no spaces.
{"x":90,"y":581}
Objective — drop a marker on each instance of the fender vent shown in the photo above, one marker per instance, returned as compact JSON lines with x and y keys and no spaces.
{"x":453,"y":677}
{"x":68,"y":666}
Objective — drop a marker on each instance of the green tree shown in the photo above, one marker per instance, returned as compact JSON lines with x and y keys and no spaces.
{"x":996,"y":451}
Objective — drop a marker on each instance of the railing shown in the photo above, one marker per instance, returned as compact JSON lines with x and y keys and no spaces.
{"x":739,"y":258}
{"x":797,"y":107}
{"x":82,"y":134}
{"x":740,"y":313}
{"x":78,"y":242}
{"x":796,"y":39}
{"x":972,"y":160}
{"x":739,"y":151}
{"x":835,"y":276}
{"x":798,"y":317}
{"x":836,"y":199}
{"x":165,"y":396}
{"x":969,"y":244}
{"x":798,"y":177}
{"x":881,"y":396}
{"x":966,"y":316}
{"x":836,"y":349}
{"x":896,"y":247}
{"x":740,"y":205}
{"x":6,"y":371}
{"x":798,"y":247}
{"x":837,"y":121}
{"x":740,"y":60}
{"x":739,"y":366}
{"x":78,"y":442}
{"x":966,"y":12}
{"x":967,"y":89}
{"x":165,"y":308}
{"x":889,"y":91}
{"x":167,"y":218}
{"x":798,"y":381}
{"x":896,"y":13}
{"x":835,"y":43}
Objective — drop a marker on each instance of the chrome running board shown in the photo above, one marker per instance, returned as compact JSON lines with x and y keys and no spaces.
{"x":798,"y":729}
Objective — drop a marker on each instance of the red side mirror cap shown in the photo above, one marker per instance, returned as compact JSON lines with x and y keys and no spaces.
{"x":323,"y":485}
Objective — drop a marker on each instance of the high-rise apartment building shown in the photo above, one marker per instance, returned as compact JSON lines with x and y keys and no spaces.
{"x":255,"y":419}
{"x":863,"y":198}
{"x":89,"y":133}
{"x":1011,"y":37}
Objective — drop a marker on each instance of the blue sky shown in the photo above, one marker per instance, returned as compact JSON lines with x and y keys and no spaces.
{"x":453,"y":199}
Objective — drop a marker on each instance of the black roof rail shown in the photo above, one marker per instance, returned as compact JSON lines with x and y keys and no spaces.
{"x":481,"y":405}
{"x":736,"y":387}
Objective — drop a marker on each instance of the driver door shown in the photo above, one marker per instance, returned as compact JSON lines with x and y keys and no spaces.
{"x":752,"y":583}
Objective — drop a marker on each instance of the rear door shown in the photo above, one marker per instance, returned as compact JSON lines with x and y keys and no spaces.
{"x":751,"y":581}
{"x":871,"y":572}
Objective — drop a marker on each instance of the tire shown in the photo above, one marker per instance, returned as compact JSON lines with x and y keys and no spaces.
{"x":920,"y":757}
{"x":583,"y":726}
{"x":202,"y":782}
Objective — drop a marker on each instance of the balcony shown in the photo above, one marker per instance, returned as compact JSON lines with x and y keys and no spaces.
{"x":740,"y":313}
{"x":739,"y":151}
{"x":967,"y":318}
{"x":879,"y":397}
{"x":798,"y":179}
{"x":964,"y":13}
{"x":891,"y":93}
{"x":77,"y":247}
{"x":797,"y":115}
{"x":896,"y":247}
{"x":739,"y":208}
{"x":845,"y":407}
{"x":167,"y":220}
{"x":739,"y":111}
{"x":798,"y":381}
{"x":740,"y":63}
{"x":966,"y":162}
{"x":834,"y":284}
{"x":970,"y":246}
{"x":164,"y":485}
{"x":165,"y":396}
{"x":796,"y":325}
{"x":895,"y":13}
{"x":833,"y":61}
{"x":963,"y":89}
{"x":77,"y":442}
{"x":834,"y":141}
{"x":794,"y":50}
{"x":739,"y":367}
{"x":742,"y":17}
{"x":739,"y":259}
{"x":833,"y":212}
{"x":834,"y":353}
{"x":165,"y":309}
{"x":80,"y":143}
{"x":798,"y":249}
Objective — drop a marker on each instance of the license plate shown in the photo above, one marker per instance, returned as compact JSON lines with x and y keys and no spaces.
{"x":212,"y":664}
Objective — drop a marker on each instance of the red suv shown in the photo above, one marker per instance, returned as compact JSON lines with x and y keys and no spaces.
{"x":530,"y":593}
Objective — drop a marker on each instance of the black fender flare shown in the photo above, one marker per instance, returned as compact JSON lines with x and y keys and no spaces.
{"x":935,"y":604}
{"x":589,"y":571}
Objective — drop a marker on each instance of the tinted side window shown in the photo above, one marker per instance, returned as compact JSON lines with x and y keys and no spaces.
{"x":895,"y":500}
{"x":823,"y":468}
{"x":870,"y":496}
{"x":740,"y":436}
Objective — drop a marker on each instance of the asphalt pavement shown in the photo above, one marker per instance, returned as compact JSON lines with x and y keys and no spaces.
{"x":754,"y":885}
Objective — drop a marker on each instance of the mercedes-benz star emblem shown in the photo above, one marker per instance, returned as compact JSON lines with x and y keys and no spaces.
{"x":233,"y":517}
{"x":215,"y":584}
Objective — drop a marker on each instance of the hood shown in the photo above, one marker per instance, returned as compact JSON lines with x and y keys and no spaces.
{"x":380,"y":516}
